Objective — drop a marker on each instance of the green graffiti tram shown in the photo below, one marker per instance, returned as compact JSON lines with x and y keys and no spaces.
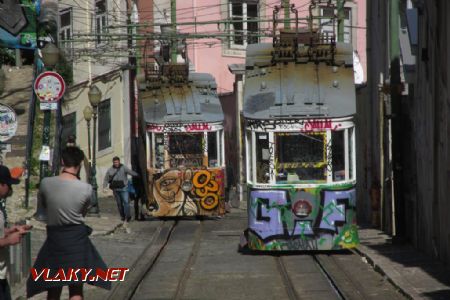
{"x":185,"y":143}
{"x":299,"y":112}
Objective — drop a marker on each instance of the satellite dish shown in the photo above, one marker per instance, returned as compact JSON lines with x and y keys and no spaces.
{"x":357,"y":69}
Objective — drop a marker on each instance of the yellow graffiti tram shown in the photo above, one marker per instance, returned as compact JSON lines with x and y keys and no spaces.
{"x":299,"y":109}
{"x":185,"y":143}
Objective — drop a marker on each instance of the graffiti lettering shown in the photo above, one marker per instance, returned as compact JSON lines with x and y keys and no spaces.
{"x":259,"y":215}
{"x":292,"y":125}
{"x":206,"y":188}
{"x":198,"y":127}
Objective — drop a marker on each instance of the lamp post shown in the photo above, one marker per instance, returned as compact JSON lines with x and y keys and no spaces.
{"x":50,"y":57}
{"x":94,"y":95}
{"x":87,"y":113}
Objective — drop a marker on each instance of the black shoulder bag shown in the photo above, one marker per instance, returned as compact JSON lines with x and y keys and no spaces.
{"x":116,"y":184}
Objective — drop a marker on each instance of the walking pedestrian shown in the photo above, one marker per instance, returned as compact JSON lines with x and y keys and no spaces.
{"x":116,"y":178}
{"x":65,"y":200}
{"x":9,"y":236}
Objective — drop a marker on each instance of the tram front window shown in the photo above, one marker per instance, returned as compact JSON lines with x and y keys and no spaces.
{"x":300,"y":157}
{"x":185,"y":150}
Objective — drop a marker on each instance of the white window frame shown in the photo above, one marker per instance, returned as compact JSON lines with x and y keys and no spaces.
{"x":65,"y":33}
{"x":245,"y":20}
{"x":348,"y":23}
{"x":101,"y":22}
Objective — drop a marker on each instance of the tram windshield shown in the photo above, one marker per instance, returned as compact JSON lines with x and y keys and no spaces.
{"x":185,"y":149}
{"x":300,"y":156}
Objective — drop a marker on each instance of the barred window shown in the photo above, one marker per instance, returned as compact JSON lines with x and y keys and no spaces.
{"x":104,"y":125}
{"x":69,"y":127}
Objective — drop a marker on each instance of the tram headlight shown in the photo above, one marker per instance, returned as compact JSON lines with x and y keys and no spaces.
{"x":302,"y":208}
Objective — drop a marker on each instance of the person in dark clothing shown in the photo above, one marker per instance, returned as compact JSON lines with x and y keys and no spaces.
{"x":65,"y":200}
{"x":116,"y":178}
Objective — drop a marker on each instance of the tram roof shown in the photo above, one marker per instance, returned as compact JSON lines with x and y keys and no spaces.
{"x":194,"y":101}
{"x":298,"y":90}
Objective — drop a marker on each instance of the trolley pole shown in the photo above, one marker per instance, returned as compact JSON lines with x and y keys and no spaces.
{"x":173,"y":18}
{"x":395,"y":91}
{"x":341,"y":18}
{"x":287,"y":12}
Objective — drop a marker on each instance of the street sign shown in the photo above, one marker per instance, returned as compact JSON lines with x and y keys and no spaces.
{"x":8,"y":123}
{"x":49,"y":88}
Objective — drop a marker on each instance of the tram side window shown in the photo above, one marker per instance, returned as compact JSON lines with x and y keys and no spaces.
{"x":350,"y":152}
{"x":249,"y":161}
{"x":300,"y":157}
{"x":212,"y":150}
{"x":338,"y":155}
{"x":159,"y":150}
{"x":262,"y":158}
{"x":186,"y":150}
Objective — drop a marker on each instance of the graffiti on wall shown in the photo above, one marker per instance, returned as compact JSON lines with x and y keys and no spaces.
{"x":181,"y":127}
{"x":292,"y":124}
{"x":302,"y":219}
{"x":187,"y":192}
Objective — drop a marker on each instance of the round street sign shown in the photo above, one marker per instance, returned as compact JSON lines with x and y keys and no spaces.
{"x":49,"y":86}
{"x":8,"y":123}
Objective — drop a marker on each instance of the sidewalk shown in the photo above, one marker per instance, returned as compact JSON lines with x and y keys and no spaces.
{"x":416,"y":275}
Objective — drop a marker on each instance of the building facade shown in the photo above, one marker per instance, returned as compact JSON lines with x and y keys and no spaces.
{"x":414,"y":158}
{"x":93,"y":37}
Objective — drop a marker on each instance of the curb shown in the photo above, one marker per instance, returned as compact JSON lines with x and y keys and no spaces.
{"x":362,"y":250}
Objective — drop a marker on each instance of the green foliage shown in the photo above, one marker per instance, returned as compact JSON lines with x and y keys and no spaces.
{"x":7,"y":56}
{"x":65,"y":69}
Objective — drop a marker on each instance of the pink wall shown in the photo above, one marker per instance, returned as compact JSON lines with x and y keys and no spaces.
{"x":207,"y":54}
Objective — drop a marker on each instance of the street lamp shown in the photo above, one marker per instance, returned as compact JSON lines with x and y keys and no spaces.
{"x":94,"y":95}
{"x":50,"y":57}
{"x":87,"y":113}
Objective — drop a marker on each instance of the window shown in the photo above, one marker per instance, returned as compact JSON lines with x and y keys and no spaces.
{"x":104,"y":125}
{"x":262,"y":158}
{"x":69,"y":127}
{"x":300,"y":156}
{"x":327,"y":24}
{"x":100,"y":21}
{"x":65,"y":31}
{"x":338,"y":155}
{"x":159,"y":151}
{"x":212,"y":150}
{"x":244,"y":28}
{"x":186,"y":150}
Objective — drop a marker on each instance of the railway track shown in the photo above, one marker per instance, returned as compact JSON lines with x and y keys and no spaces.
{"x":170,"y":267}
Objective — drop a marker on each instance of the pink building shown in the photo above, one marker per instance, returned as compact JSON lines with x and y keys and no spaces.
{"x":213,"y":55}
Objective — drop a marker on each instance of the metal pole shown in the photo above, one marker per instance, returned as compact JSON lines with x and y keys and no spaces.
{"x":43,"y":169}
{"x":287,"y":23}
{"x":394,"y":24}
{"x":341,"y":18}
{"x":94,"y":209}
{"x":89,"y":139}
{"x":173,"y":18}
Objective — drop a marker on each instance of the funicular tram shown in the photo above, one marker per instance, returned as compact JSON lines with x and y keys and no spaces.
{"x":185,"y":143}
{"x":299,"y":110}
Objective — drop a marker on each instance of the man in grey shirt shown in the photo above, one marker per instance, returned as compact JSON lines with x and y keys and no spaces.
{"x":116,"y":177}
